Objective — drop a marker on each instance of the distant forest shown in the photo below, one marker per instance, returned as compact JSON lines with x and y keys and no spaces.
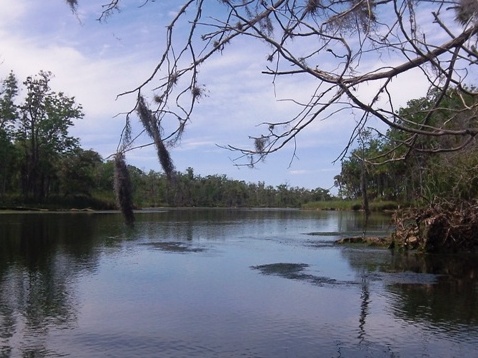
{"x":81,"y":178}
{"x":42,"y":164}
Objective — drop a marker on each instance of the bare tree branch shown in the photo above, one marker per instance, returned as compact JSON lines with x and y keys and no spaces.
{"x":339,"y":44}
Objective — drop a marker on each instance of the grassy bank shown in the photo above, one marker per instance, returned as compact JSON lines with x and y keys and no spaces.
{"x":350,"y":205}
{"x":57,"y":203}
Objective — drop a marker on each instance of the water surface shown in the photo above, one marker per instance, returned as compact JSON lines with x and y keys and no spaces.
{"x":226,"y":283}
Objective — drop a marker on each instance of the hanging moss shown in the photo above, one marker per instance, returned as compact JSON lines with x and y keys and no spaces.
{"x":151,"y":125}
{"x":123,"y":189}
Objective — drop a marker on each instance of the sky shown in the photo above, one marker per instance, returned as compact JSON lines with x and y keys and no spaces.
{"x":95,"y":61}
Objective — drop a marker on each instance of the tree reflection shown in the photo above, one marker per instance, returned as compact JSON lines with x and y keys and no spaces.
{"x":436,"y":289}
{"x":365,"y":301}
{"x":354,"y":224}
{"x":451,"y":300}
{"x":40,"y":257}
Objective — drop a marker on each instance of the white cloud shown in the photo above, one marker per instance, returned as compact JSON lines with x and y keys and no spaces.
{"x":239,"y":98}
{"x":11,"y":12}
{"x":94,"y":62}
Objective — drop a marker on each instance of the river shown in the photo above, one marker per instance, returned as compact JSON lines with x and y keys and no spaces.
{"x":226,"y":283}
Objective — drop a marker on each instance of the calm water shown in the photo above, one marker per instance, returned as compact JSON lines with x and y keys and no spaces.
{"x":225,"y":283}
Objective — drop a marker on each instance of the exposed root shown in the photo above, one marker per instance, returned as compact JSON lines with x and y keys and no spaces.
{"x":441,"y":227}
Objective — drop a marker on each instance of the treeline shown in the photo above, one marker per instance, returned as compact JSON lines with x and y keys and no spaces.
{"x":42,"y":164}
{"x":190,"y":190}
{"x":414,"y":169}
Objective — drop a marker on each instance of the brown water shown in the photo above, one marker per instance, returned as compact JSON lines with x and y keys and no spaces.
{"x":226,"y":283}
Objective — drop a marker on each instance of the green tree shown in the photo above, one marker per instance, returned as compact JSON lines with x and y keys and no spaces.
{"x":8,"y":109}
{"x":8,"y":116}
{"x":104,"y":176}
{"x":77,"y":172}
{"x":42,"y":133}
{"x":427,"y":172}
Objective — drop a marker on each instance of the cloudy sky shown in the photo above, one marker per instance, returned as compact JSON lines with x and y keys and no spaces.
{"x":94,"y":61}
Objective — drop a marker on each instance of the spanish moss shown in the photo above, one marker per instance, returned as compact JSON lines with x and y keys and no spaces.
{"x":467,"y":11}
{"x":123,"y":189}
{"x":147,"y":118}
{"x":150,"y":124}
{"x":165,"y":159}
{"x":73,"y":4}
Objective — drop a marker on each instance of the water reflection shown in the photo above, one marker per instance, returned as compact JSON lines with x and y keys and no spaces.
{"x":76,"y":284}
{"x":177,"y":247}
{"x":364,"y":309}
{"x":441,"y":290}
{"x":356,"y":222}
{"x":442,"y":304}
{"x":218,"y":224}
{"x":40,"y":258}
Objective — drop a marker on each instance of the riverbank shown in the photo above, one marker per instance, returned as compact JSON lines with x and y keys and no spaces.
{"x":57,"y":203}
{"x":381,"y":241}
{"x":354,"y":205}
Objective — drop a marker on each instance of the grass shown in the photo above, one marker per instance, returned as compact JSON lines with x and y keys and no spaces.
{"x":350,"y":205}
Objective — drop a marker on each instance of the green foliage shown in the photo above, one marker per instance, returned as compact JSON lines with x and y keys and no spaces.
{"x":8,"y":110}
{"x":42,"y":134}
{"x":77,"y":172}
{"x":349,"y":205}
{"x":338,"y":204}
{"x":42,"y":164}
{"x":8,"y":152}
{"x":34,"y":142}
{"x":189,"y":190}
{"x":453,"y":176}
{"x":413,"y":167}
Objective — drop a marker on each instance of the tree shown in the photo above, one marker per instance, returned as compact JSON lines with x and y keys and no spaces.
{"x":8,"y":115}
{"x":426,"y":173}
{"x":8,"y":110}
{"x":449,"y":175}
{"x":353,"y":49}
{"x":42,"y":134}
{"x":77,"y":171}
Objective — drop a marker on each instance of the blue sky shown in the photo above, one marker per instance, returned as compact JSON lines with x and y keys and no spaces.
{"x":95,"y":61}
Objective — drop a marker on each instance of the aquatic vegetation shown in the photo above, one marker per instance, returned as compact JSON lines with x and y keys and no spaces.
{"x":293,"y":271}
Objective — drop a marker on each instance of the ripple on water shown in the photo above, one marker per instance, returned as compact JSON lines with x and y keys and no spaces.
{"x":172,"y":246}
